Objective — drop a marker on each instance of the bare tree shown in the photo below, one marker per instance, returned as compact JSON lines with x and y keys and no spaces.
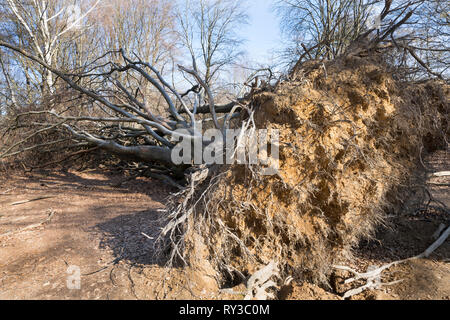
{"x":325,"y":28}
{"x":43,"y":26}
{"x":141,"y":27}
{"x":207,"y":29}
{"x":413,"y":34}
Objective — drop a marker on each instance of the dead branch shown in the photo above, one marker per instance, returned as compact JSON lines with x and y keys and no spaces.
{"x":31,"y":200}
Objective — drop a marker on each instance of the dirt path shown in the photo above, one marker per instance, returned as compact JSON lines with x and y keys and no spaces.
{"x":85,"y":223}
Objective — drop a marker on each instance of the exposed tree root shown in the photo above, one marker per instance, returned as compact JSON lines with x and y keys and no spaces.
{"x":373,"y":277}
{"x":442,"y":174}
{"x":260,"y":282}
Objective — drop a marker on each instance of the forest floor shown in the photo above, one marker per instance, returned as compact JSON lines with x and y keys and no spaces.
{"x":85,"y":219}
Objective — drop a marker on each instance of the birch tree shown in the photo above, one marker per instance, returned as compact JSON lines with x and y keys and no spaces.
{"x":43,"y":25}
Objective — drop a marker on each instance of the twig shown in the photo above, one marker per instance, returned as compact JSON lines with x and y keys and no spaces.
{"x":31,"y":200}
{"x":112,"y":263}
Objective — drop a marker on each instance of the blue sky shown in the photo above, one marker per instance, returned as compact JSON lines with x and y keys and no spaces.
{"x":263,"y":32}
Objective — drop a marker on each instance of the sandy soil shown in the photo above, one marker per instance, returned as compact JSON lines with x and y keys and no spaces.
{"x":89,"y":222}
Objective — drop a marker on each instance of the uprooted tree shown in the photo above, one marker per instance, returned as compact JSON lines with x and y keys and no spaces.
{"x":348,"y":135}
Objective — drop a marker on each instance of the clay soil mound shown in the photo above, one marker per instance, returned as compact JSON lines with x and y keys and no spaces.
{"x":350,"y":137}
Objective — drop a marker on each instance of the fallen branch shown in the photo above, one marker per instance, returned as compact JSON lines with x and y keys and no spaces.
{"x":31,"y":200}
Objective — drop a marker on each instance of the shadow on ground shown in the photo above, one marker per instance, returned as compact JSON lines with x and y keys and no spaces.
{"x":131,"y":237}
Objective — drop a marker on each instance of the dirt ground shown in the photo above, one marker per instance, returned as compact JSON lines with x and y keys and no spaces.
{"x":94,"y":225}
{"x":84,"y":219}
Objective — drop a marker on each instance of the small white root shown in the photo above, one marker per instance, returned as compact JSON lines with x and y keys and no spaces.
{"x":147,"y":236}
